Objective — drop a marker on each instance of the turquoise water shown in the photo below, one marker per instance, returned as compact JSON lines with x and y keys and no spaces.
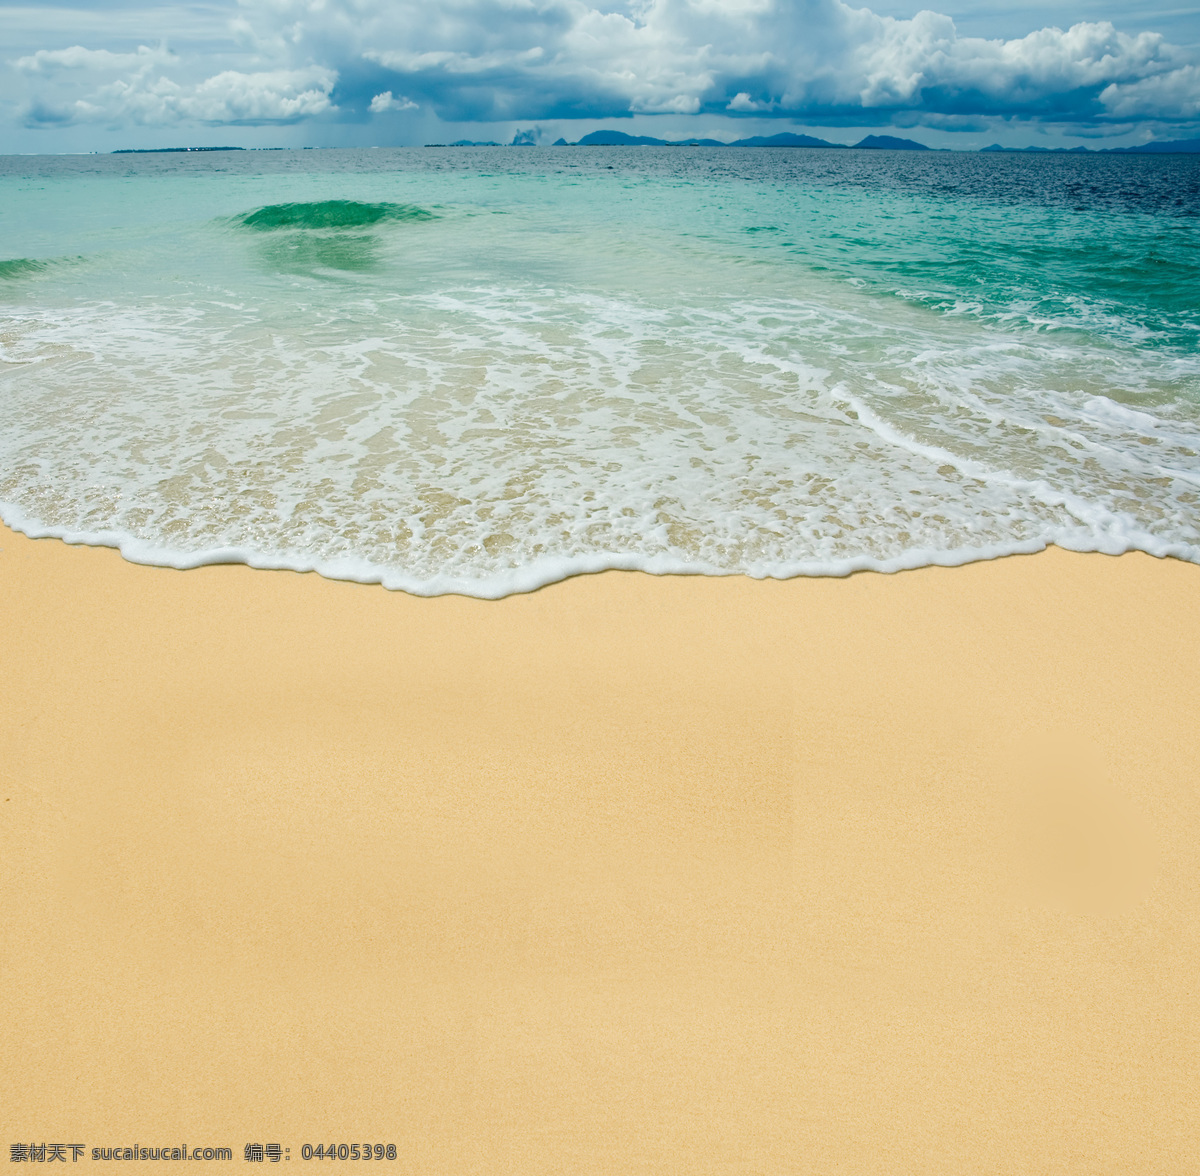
{"x":455,"y":370}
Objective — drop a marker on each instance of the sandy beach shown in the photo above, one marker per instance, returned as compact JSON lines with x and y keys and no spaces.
{"x":632,"y":874}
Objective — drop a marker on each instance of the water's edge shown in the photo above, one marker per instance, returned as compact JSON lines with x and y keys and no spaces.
{"x":540,"y":574}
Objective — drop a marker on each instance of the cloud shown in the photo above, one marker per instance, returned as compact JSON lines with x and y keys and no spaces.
{"x":46,"y":61}
{"x":821,"y":62}
{"x":1174,"y":95}
{"x":384,"y":102}
{"x":792,"y":58}
{"x":278,"y":96}
{"x":742,"y":103}
{"x":229,"y":97}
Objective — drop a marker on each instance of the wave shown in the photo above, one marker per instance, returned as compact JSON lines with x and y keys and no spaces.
{"x":20,"y":267}
{"x":486,"y":441}
{"x":546,"y":570}
{"x":330,"y":214}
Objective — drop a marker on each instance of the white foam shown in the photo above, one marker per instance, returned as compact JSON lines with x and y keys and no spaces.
{"x":488,"y":441}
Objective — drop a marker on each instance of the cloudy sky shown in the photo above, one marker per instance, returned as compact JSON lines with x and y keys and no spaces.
{"x":79,"y":75}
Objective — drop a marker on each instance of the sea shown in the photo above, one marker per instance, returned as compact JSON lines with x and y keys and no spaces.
{"x":482,"y":370}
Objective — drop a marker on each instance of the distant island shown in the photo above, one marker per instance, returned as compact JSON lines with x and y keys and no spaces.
{"x":870,"y":143}
{"x":164,"y":150}
{"x":1168,"y":147}
{"x":620,"y":139}
{"x":1044,"y":150}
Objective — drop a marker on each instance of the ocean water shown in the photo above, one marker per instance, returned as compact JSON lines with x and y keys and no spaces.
{"x":483,"y":370}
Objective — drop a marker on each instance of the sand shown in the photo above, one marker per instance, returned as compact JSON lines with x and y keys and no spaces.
{"x":890,"y":874}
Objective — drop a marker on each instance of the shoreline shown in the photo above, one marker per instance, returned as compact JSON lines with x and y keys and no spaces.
{"x":890,"y":873}
{"x":547,"y":571}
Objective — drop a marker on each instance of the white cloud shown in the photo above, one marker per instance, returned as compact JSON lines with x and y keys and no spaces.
{"x":1170,"y":95}
{"x":744,"y":104}
{"x":675,"y":104}
{"x":384,"y":102}
{"x":227,"y":97}
{"x":922,"y":62}
{"x":274,"y":96}
{"x":46,"y":61}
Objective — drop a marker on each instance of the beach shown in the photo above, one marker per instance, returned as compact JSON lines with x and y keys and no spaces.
{"x":884,"y":873}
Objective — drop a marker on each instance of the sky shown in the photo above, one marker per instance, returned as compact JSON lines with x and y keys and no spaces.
{"x":97,"y":75}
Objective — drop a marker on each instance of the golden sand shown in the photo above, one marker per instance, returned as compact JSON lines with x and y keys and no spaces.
{"x":891,"y":874}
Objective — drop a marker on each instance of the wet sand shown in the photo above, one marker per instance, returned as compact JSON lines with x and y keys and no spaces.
{"x":890,"y":874}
